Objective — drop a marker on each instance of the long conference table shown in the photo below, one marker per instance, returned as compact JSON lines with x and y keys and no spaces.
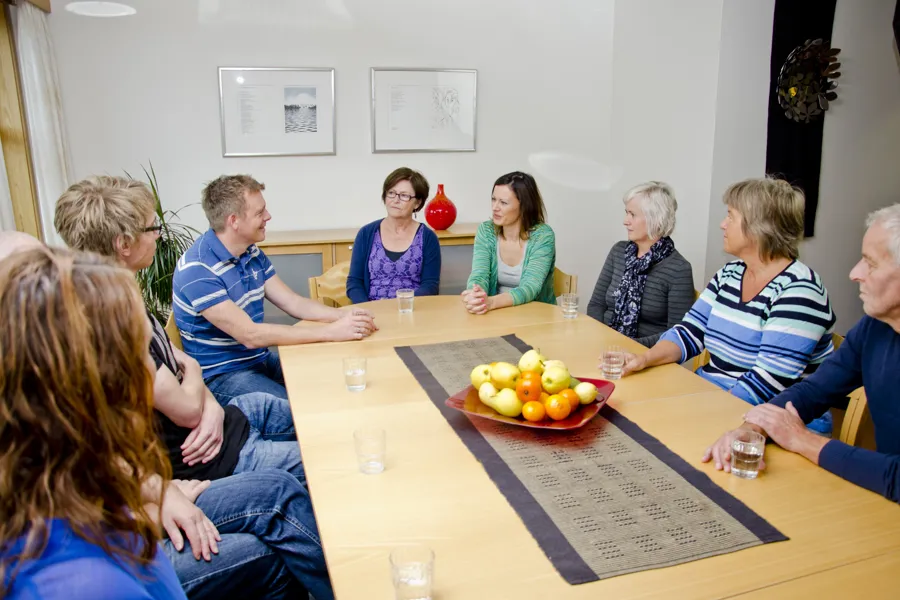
{"x":844,"y":541}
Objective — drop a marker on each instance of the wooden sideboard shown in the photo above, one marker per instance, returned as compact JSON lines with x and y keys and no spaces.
{"x":299,"y":255}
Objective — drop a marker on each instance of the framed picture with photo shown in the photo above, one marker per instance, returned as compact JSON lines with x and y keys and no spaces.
{"x":273,"y":111}
{"x":423,"y":110}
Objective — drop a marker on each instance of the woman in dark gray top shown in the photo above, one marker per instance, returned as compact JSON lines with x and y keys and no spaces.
{"x":646,"y":286}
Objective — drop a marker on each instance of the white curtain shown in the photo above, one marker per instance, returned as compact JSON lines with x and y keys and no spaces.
{"x":43,"y":111}
{"x":7,"y":218}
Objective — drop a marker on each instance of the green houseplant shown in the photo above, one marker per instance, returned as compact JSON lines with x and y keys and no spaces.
{"x":174,"y":239}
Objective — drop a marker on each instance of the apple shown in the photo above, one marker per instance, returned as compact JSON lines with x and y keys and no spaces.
{"x":504,"y":401}
{"x":554,"y":363}
{"x":480,"y":374}
{"x":555,"y":379}
{"x":505,"y":375}
{"x":532,"y":361}
{"x":573,"y":382}
{"x":486,"y":391}
{"x":586,"y":392}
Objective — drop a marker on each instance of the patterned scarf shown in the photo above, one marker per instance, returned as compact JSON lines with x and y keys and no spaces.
{"x":631,"y":289}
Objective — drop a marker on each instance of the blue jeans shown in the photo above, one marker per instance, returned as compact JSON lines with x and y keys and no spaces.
{"x":265,"y":376}
{"x":272,"y":443}
{"x":275,"y":509}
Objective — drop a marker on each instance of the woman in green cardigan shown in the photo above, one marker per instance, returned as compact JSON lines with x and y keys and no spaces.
{"x":514,"y":252}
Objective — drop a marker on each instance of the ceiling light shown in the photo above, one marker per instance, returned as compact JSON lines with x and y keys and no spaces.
{"x":100,"y":9}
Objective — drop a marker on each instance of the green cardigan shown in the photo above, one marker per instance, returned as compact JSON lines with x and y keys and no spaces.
{"x":537,"y":265}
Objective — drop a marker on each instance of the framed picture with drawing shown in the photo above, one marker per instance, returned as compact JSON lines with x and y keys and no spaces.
{"x":276,"y":111}
{"x":423,"y":110}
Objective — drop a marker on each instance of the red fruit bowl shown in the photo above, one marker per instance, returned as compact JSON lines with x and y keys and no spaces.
{"x":467,"y":401}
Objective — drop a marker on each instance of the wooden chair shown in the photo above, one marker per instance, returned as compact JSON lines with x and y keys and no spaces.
{"x":564,"y":283}
{"x":172,"y":331}
{"x":330,"y":288}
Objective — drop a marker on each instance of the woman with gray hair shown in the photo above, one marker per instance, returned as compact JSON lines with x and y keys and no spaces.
{"x":646,"y":286}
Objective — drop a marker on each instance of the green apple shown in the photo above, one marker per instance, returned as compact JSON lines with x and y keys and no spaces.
{"x":505,"y":375}
{"x":480,"y":374}
{"x":555,"y":379}
{"x":554,"y":363}
{"x":532,"y":361}
{"x":586,"y":392}
{"x":507,"y":403}
{"x":486,"y":392}
{"x":573,"y":382}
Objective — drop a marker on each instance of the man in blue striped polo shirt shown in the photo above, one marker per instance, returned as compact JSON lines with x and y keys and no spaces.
{"x":219,"y":287}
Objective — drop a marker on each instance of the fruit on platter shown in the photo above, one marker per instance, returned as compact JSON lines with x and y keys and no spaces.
{"x":536,"y":389}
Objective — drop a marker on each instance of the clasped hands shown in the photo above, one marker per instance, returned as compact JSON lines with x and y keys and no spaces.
{"x":476,"y":300}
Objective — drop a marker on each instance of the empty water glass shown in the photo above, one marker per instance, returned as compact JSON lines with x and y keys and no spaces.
{"x":405,"y":300}
{"x":612,"y":362}
{"x":747,"y":451}
{"x":568,"y":303}
{"x":370,"y":445}
{"x":355,"y":374}
{"x":412,"y":568}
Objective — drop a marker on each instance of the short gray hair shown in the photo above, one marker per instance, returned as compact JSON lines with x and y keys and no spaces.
{"x":889,"y":217}
{"x":658,"y":202}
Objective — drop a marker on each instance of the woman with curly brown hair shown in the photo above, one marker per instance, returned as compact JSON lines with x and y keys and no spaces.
{"x":79,"y":463}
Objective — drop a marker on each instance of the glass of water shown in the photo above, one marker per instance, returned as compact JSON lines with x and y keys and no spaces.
{"x":612,"y":363}
{"x":412,"y":568}
{"x":405,"y":298}
{"x":355,"y":373}
{"x":746,"y":453}
{"x":568,"y":303}
{"x":370,"y":445}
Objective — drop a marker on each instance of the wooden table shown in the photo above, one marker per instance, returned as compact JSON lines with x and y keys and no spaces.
{"x":433,"y":491}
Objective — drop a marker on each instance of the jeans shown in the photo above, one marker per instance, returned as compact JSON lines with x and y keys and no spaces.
{"x":272,"y":443}
{"x":265,"y":376}
{"x":275,"y":509}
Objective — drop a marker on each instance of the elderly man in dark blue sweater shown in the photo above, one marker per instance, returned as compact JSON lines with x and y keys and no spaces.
{"x":869,"y":357}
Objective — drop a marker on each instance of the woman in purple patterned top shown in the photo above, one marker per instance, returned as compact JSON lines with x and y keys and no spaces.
{"x":396,"y":252}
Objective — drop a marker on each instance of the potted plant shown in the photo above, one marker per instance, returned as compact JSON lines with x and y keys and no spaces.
{"x":174,"y":239}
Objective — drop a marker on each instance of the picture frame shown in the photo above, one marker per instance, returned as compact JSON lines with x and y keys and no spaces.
{"x":277,"y":111}
{"x":423,"y":110}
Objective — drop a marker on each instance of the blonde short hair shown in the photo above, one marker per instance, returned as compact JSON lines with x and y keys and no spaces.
{"x":658,"y":203}
{"x":772,"y":214}
{"x":92,"y":213}
{"x":225,"y":196}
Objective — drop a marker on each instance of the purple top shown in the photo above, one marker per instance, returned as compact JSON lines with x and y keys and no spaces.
{"x":387,"y":276}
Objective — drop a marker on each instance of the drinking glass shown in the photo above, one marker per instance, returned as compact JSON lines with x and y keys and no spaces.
{"x":612,"y":363}
{"x":370,"y":446}
{"x":412,"y":568}
{"x":355,"y":373}
{"x":568,"y":303}
{"x":747,"y":451}
{"x":405,"y":298}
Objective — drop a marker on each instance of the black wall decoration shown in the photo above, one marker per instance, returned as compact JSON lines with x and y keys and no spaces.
{"x":803,"y":66}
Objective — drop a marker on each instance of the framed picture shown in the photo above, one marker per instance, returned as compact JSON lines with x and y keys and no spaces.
{"x":423,"y":110}
{"x":276,"y":111}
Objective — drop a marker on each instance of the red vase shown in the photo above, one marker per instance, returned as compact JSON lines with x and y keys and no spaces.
{"x":440,"y":212}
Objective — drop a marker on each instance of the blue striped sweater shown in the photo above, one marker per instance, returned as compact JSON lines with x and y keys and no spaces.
{"x":758,"y":348}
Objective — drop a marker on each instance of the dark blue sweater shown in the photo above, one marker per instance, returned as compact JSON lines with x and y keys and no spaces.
{"x":358,"y":279}
{"x":869,"y":357}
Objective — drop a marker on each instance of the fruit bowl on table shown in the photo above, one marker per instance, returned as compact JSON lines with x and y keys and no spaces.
{"x":467,"y":401}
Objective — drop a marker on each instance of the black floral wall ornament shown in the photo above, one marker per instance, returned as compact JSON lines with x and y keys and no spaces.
{"x":806,"y":82}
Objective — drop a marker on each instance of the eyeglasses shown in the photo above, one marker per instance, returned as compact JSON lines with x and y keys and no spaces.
{"x":404,"y":196}
{"x":155,"y":228}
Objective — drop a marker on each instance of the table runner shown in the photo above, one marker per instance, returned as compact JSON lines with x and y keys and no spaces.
{"x":603,"y":500}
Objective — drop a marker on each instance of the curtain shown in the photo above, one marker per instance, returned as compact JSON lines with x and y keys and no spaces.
{"x":43,"y":112}
{"x":7,"y":217}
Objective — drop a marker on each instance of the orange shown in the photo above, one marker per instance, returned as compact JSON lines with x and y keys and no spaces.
{"x":558,"y":408}
{"x":544,"y":396}
{"x":570,"y":395}
{"x":533,"y":411}
{"x":529,"y":388}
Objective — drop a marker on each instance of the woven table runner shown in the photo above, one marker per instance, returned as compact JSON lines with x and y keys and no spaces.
{"x":603,"y":500}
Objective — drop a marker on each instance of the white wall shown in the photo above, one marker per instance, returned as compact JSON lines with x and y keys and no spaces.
{"x":623,"y":84}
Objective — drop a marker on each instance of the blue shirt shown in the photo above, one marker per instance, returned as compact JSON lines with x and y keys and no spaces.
{"x":869,"y":357}
{"x":71,"y":568}
{"x":760,"y":347}
{"x":206,"y":275}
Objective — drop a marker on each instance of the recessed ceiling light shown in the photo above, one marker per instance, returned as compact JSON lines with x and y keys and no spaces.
{"x":100,"y":9}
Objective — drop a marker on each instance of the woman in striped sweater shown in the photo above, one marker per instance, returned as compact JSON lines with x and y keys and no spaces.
{"x":515,"y":251}
{"x":765,"y":318}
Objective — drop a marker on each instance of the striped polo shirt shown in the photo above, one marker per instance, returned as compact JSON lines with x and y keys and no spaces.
{"x":206,"y":275}
{"x":758,"y":348}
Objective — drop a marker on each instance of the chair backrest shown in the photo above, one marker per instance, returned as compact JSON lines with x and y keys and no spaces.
{"x":172,"y":331}
{"x":564,"y":283}
{"x":857,"y":429}
{"x":837,"y":339}
{"x":330,"y":288}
